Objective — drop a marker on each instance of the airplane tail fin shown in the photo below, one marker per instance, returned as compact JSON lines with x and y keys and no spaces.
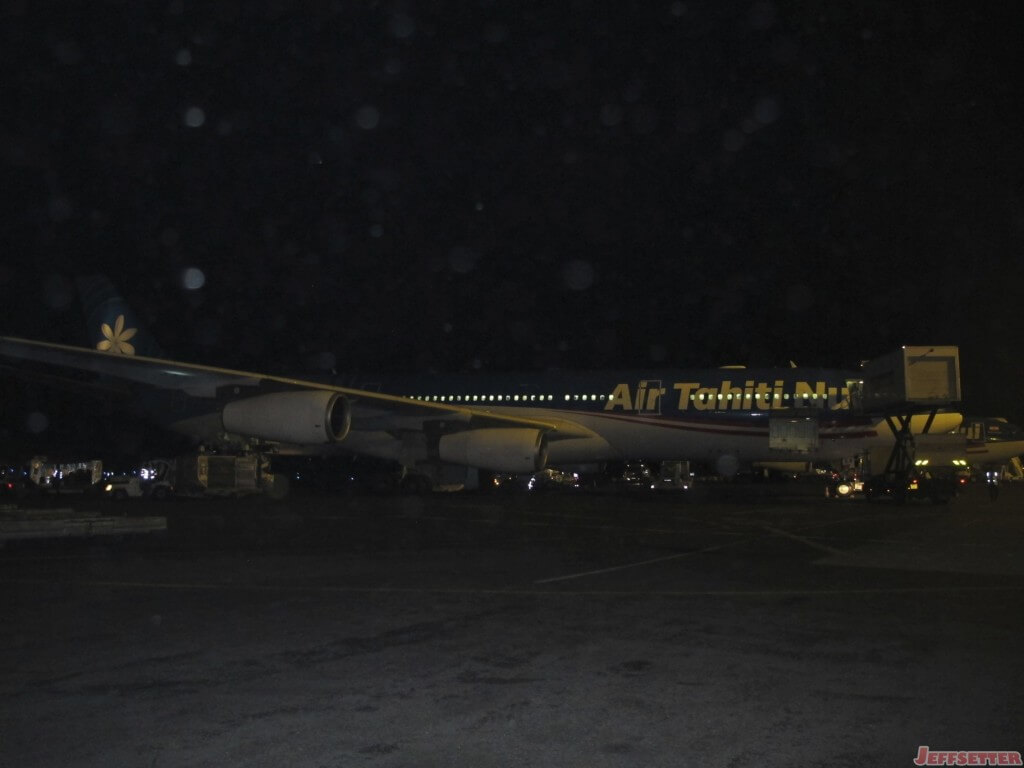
{"x":111,"y":324}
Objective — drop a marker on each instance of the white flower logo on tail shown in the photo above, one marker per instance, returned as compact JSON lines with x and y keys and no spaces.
{"x":115,"y":340}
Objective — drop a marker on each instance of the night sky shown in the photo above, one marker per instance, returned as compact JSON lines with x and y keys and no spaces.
{"x":399,"y":186}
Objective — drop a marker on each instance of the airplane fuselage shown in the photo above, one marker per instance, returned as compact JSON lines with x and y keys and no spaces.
{"x":725,"y":417}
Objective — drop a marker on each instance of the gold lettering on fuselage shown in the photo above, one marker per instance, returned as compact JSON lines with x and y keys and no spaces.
{"x":729,"y":396}
{"x":621,"y":398}
{"x":732,"y":397}
{"x":706,"y":399}
{"x":654,"y":398}
{"x":805,"y":393}
{"x":685,"y":390}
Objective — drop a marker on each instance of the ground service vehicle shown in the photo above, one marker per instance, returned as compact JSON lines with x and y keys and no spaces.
{"x":203,"y":474}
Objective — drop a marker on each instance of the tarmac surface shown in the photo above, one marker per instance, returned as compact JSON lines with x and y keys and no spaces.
{"x":727,"y":626}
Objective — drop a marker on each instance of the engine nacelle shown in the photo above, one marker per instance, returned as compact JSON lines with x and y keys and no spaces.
{"x":309,"y":417}
{"x":500,"y":450}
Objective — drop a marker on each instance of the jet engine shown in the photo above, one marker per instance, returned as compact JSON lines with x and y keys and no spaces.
{"x":309,"y":417}
{"x":500,"y":450}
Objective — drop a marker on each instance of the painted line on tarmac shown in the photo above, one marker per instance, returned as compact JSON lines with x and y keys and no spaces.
{"x":680,"y":525}
{"x":802,"y":540}
{"x":610,"y":528}
{"x":902,"y":517}
{"x":640,"y":564}
{"x":326,"y":589}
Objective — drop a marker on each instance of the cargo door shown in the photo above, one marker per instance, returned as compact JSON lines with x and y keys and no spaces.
{"x":795,"y":435}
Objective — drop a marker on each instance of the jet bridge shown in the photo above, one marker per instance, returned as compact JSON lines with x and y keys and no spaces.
{"x":902,"y":384}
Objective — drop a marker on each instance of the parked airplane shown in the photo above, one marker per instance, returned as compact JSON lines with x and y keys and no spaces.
{"x":991,"y":441}
{"x":986,"y":443}
{"x":512,"y":423}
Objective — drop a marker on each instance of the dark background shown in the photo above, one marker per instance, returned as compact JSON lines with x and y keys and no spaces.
{"x":395,"y":186}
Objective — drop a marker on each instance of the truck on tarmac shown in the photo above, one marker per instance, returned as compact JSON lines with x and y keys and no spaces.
{"x":64,"y":477}
{"x":211,"y":475}
{"x":939,"y":473}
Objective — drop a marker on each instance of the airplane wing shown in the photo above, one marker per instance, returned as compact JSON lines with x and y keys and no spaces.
{"x":276,"y":408}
